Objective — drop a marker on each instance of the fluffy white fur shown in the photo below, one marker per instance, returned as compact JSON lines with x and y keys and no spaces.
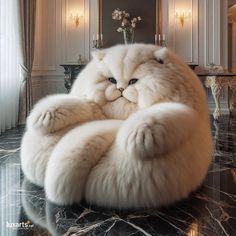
{"x":122,"y":145}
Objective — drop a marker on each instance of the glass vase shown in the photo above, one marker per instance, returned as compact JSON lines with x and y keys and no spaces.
{"x":128,"y":35}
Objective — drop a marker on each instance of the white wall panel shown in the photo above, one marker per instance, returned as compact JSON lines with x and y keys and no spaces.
{"x":58,"y":40}
{"x":183,"y":40}
{"x":212,"y":32}
{"x":73,"y":38}
{"x":43,"y":86}
{"x":203,"y":39}
{"x":47,"y":35}
{"x":36,"y":89}
{"x":36,"y":64}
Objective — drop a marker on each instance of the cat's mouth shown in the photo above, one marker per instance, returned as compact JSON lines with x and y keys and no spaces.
{"x":115,"y":99}
{"x":122,"y":97}
{"x":125,"y":97}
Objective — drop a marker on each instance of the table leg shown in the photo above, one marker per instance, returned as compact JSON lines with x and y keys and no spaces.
{"x":232,"y":92}
{"x":216,"y":92}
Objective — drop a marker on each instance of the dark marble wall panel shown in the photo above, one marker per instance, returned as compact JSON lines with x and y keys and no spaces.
{"x":145,"y":30}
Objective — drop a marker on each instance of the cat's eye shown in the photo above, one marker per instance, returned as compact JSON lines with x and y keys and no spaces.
{"x":159,"y":60}
{"x":112,"y":80}
{"x":133,"y":81}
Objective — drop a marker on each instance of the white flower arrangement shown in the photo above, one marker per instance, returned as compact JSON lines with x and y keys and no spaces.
{"x":126,"y":22}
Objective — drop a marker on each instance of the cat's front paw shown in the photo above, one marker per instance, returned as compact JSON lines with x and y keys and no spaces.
{"x":53,"y":113}
{"x":45,"y":119}
{"x":143,"y":140}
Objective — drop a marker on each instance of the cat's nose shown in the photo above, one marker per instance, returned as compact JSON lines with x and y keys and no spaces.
{"x":121,"y":89}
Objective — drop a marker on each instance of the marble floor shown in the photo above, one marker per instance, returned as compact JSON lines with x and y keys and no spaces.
{"x":210,"y":211}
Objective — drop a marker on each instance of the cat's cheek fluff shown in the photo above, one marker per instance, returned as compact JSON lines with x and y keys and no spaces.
{"x":131,"y":94}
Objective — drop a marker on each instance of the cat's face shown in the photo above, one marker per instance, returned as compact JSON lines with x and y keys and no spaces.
{"x":124,"y":79}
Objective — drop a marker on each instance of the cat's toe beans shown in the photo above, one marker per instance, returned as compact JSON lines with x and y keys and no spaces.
{"x":46,"y":119}
{"x":140,"y":142}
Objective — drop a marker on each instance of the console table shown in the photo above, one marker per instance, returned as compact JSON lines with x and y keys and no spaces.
{"x":217,"y":81}
{"x":71,"y":71}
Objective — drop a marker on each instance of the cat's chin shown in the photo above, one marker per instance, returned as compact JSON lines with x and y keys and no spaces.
{"x":121,"y":108}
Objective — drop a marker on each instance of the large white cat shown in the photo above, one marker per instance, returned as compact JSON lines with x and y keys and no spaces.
{"x":133,"y":133}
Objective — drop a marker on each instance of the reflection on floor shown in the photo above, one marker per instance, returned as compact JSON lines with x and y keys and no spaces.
{"x":209,"y":211}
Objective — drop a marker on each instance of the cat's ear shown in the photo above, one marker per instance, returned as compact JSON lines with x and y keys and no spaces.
{"x":162,"y":55}
{"x":98,"y":55}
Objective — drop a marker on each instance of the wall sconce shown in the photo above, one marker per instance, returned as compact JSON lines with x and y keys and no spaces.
{"x":75,"y":16}
{"x":183,"y":15}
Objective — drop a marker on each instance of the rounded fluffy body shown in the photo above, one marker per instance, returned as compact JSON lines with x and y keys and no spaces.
{"x":134,"y":132}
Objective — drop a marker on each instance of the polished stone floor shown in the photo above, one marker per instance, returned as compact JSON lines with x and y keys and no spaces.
{"x":211,"y":210}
